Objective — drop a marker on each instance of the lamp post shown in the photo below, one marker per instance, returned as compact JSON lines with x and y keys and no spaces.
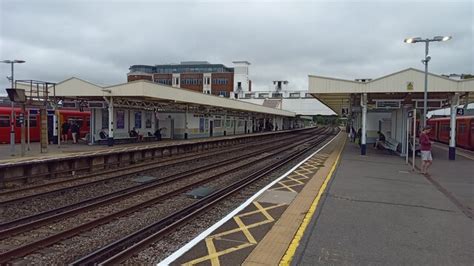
{"x":12,"y":119}
{"x":425,"y":62}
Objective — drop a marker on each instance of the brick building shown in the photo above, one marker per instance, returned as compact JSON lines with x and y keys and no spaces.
{"x":216,"y":79}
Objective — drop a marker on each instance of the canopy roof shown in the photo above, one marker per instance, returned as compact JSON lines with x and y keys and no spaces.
{"x":75,"y":88}
{"x":407,"y":84}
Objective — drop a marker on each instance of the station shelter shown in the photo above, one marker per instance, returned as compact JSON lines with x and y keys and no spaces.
{"x":176,"y":113}
{"x":388,"y":104}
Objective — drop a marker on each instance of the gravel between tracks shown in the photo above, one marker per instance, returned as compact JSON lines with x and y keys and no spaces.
{"x":166,"y":246}
{"x":17,"y":210}
{"x":81,"y":218}
{"x":101,"y":235}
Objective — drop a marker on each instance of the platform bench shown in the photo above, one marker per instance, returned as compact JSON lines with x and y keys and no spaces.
{"x":390,"y":144}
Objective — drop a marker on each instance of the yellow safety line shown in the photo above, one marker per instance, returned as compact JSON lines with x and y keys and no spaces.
{"x":290,"y":252}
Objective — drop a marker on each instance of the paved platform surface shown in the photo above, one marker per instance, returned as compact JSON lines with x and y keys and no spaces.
{"x":376,"y":211}
{"x":70,"y":149}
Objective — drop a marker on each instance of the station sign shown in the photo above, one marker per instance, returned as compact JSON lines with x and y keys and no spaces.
{"x":459,"y":111}
{"x":388,"y":104}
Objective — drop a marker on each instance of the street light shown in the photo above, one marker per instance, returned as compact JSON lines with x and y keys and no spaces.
{"x":425,"y":62}
{"x":12,"y":120}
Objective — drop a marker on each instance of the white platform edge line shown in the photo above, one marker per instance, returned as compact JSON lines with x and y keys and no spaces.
{"x":209,"y":230}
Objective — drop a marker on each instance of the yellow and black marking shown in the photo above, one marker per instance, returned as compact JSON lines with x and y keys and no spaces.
{"x":232,"y":242}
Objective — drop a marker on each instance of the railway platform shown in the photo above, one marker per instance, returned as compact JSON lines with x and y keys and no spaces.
{"x":341,"y":208}
{"x":76,"y":159}
{"x":378,"y":211}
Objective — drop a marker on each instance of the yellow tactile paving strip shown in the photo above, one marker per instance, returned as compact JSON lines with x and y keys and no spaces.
{"x":234,"y":241}
{"x":283,"y":234}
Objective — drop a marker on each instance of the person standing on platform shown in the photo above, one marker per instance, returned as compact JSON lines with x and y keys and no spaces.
{"x":425,"y":147}
{"x":75,"y":132}
{"x":65,"y":130}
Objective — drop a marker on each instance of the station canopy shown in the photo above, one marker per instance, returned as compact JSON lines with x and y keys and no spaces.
{"x":390,"y":91}
{"x":152,"y":96}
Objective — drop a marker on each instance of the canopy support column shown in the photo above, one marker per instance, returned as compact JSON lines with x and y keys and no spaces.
{"x":110,"y":140}
{"x":363,"y":143}
{"x":452,"y":135}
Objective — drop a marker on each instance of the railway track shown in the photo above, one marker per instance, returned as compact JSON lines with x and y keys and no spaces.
{"x":65,"y":184}
{"x":124,"y":248}
{"x":27,"y":223}
{"x":34,"y":223}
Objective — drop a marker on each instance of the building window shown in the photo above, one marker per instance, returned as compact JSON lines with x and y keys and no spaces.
{"x":148,"y":116}
{"x":294,"y":95}
{"x":208,"y":80}
{"x":263,"y":95}
{"x":138,"y":119}
{"x":177,"y":81}
{"x":105,"y":118}
{"x":276,"y":95}
{"x":308,"y":95}
{"x":239,"y":85}
{"x":248,"y":95}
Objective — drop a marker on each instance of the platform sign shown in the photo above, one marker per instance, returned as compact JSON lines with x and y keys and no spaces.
{"x":460,"y":111}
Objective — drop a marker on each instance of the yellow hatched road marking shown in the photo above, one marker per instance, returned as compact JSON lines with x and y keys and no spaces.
{"x":213,"y":254}
{"x":296,"y":178}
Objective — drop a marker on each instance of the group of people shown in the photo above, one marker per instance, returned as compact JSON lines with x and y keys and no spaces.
{"x":425,"y":145}
{"x":73,"y":128}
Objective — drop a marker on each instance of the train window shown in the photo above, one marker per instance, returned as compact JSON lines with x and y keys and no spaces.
{"x":444,"y":127}
{"x":33,"y":121}
{"x":4,"y":120}
{"x":75,"y":119}
{"x":461,"y":128}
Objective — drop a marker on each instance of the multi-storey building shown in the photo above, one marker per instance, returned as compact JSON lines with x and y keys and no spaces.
{"x":281,"y":96}
{"x":199,"y":76}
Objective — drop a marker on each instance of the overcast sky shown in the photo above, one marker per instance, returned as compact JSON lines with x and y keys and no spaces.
{"x":99,"y":40}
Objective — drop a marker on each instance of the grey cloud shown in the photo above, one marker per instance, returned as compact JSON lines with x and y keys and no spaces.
{"x":98,"y":41}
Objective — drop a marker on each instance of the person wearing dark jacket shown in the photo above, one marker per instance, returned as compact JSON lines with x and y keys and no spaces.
{"x":65,"y":130}
{"x":75,"y":132}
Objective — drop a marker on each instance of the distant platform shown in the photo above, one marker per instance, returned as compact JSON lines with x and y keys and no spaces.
{"x":69,"y":149}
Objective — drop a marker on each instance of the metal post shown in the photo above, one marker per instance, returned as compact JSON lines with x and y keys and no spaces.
{"x":413,"y":146}
{"x":110,"y":141}
{"x":452,"y":135}
{"x":363,"y":143}
{"x":23,"y":130}
{"x":408,"y":140}
{"x":28,"y":130}
{"x":186,"y":123}
{"x":425,"y":95}
{"x":92,"y":127}
{"x":12,"y":118}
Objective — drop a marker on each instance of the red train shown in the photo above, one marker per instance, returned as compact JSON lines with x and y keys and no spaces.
{"x":81,"y":118}
{"x":464,"y":131}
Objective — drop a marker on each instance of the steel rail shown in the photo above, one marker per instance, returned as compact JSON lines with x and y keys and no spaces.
{"x":32,"y":246}
{"x":30,"y":222}
{"x":33,"y":221}
{"x":127,"y":246}
{"x":169,"y":161}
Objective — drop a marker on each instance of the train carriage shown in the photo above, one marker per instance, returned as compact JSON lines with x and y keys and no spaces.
{"x":81,"y":118}
{"x":464,"y":131}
